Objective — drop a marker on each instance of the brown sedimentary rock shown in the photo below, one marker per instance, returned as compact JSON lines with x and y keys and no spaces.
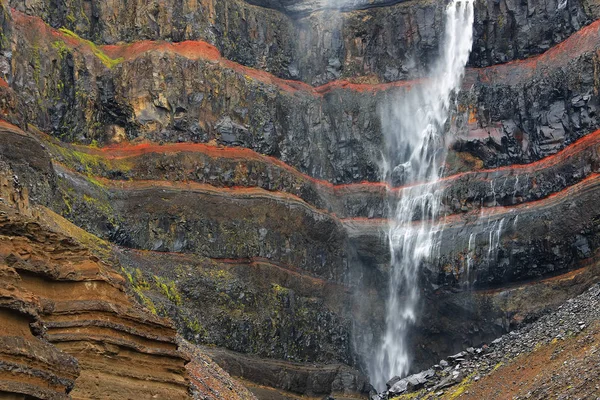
{"x":68,"y":324}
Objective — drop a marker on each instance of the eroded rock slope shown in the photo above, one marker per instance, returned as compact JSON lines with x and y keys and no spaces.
{"x":69,"y":327}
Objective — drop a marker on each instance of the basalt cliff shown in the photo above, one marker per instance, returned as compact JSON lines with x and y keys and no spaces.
{"x":192,"y":202}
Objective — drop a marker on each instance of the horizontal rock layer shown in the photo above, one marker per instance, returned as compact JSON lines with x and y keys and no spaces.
{"x":101,"y":206}
{"x":369,"y":250}
{"x":255,"y":307}
{"x":335,"y":132}
{"x":236,"y":169}
{"x":68,"y":326}
{"x":390,"y":43}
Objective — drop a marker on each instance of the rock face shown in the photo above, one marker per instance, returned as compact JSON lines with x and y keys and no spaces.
{"x":230,"y":152}
{"x":69,"y":328}
{"x":295,"y":40}
{"x":70,"y":312}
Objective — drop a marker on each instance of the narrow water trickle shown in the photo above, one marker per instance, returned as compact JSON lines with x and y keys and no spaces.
{"x":414,"y":125}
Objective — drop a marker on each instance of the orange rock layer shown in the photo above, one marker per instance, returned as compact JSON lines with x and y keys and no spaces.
{"x":582,"y":41}
{"x":589,"y":143}
{"x":132,"y":151}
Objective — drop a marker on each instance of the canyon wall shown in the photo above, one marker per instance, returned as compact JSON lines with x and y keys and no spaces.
{"x":70,"y":324}
{"x":230,"y":153}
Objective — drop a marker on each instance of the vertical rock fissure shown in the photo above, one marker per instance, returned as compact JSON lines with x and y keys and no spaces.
{"x":414,"y":126}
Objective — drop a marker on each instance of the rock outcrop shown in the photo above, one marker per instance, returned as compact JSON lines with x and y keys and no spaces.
{"x":69,"y":326}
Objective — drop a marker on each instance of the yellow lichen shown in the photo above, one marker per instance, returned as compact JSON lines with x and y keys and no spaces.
{"x":102,"y":56}
{"x":169,"y":289}
{"x":461,"y":387}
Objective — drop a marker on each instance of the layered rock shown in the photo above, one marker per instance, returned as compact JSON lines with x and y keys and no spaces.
{"x":29,"y":366}
{"x":69,"y":327}
{"x":74,"y":309}
{"x":276,"y":316}
{"x":371,"y":251}
{"x":388,"y":39}
{"x":95,"y":195}
{"x":248,"y":206}
{"x":267,"y":301}
{"x":187,"y":92}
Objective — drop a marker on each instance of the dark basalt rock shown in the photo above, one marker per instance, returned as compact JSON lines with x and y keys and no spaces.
{"x":336,"y":136}
{"x":398,"y":386}
{"x":303,"y":7}
{"x":280,"y":269}
{"x":224,"y":227}
{"x":295,"y":377}
{"x":386,"y":38}
{"x":530,"y":120}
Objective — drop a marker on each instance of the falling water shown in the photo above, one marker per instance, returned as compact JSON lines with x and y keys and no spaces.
{"x":414,"y":126}
{"x":471,"y":247}
{"x":495,"y":232}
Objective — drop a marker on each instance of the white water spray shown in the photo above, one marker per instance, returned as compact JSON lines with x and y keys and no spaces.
{"x":414,"y":126}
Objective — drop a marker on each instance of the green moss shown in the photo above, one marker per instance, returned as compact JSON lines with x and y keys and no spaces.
{"x":497,"y":366}
{"x":169,"y":289}
{"x":102,"y":56}
{"x":462,"y":386}
{"x":127,"y":275}
{"x":195,"y":326}
{"x":139,"y":285}
{"x":95,"y":181}
{"x":146,"y":301}
{"x":37,"y":64}
{"x":101,"y":206}
{"x":500,"y":21}
{"x":68,"y":204}
{"x":90,"y":164}
{"x":139,"y":280}
{"x":4,"y":42}
{"x":280,"y":290}
{"x":61,"y":48}
{"x":220,"y":277}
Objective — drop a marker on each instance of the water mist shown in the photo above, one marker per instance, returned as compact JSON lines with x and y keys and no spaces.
{"x":414,"y":126}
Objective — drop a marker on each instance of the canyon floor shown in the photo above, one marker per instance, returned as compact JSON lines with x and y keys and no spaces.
{"x":555,"y":357}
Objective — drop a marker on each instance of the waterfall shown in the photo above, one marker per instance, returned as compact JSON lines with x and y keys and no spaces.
{"x":414,"y":127}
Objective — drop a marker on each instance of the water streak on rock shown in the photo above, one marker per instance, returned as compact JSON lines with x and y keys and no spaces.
{"x":414,"y":126}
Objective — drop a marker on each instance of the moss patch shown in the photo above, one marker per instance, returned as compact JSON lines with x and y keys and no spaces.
{"x":102,"y":56}
{"x":169,"y":289}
